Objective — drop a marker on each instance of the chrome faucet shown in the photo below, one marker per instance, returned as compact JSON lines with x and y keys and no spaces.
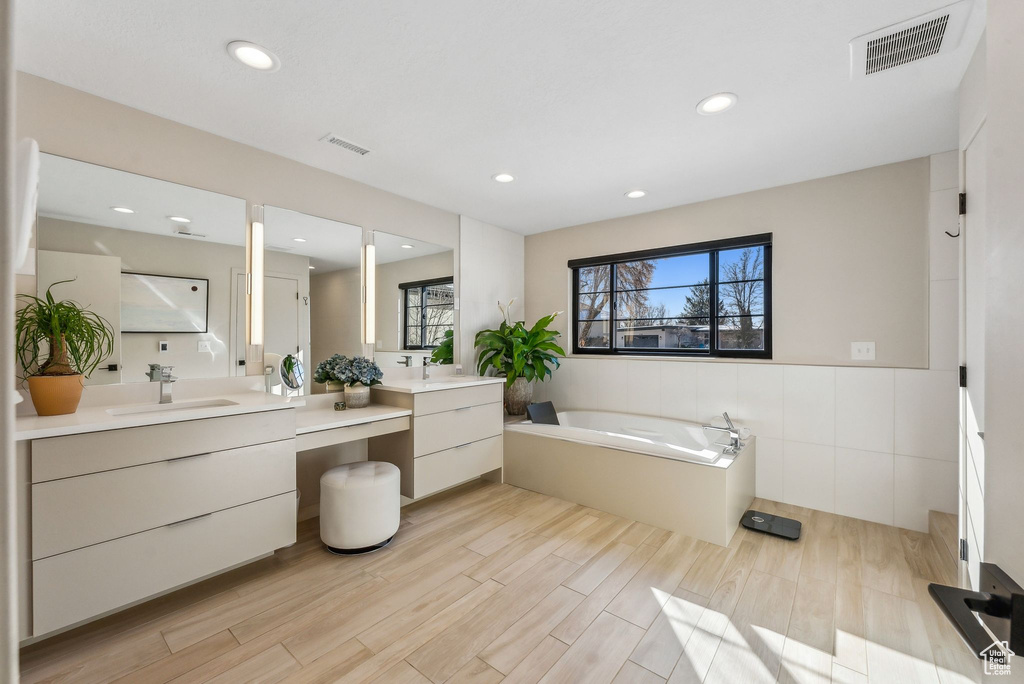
{"x":162,"y":374}
{"x":427,"y":363}
{"x":734,"y":435}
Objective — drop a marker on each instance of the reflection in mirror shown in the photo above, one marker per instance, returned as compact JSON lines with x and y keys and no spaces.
{"x":155,"y":259}
{"x":415,"y":296}
{"x":293,"y":375}
{"x":313,"y":289}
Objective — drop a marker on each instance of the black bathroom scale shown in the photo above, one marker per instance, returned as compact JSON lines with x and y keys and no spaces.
{"x":787,"y":528}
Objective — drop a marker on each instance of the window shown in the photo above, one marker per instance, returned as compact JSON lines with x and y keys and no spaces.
{"x":428,"y":310}
{"x":705,"y":299}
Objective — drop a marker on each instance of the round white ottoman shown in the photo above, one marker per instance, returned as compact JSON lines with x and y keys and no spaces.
{"x":359,"y":506}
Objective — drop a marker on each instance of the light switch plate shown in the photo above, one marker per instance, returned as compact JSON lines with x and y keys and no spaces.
{"x":203,"y":346}
{"x":862,"y":351}
{"x":163,"y":346}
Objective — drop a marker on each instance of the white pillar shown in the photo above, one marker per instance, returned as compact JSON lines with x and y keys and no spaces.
{"x":8,"y":509}
{"x":1004,"y":315}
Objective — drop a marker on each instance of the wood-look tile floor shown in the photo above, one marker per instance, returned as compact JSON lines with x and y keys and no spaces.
{"x":489,"y":583}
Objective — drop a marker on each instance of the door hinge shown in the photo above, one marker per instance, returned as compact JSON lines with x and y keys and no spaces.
{"x":963,"y":376}
{"x":963,"y":203}
{"x":963,"y":549}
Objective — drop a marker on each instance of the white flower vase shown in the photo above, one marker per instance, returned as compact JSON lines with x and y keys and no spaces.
{"x":357,"y":396}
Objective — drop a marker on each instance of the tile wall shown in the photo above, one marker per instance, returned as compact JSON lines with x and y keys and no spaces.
{"x":878,"y":444}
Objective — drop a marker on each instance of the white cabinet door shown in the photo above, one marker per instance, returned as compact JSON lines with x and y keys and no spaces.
{"x":97,"y":287}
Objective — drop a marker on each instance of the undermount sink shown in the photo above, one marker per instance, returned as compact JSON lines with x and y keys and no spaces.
{"x":174,"y":406}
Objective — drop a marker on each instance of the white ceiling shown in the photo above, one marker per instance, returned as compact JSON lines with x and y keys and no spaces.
{"x":76,"y":191}
{"x":581,"y":101}
{"x":389,"y":248}
{"x":331,"y":245}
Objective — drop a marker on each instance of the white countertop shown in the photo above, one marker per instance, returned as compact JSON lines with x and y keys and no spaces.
{"x":316,"y":419}
{"x":98,"y":418}
{"x":443,"y":382}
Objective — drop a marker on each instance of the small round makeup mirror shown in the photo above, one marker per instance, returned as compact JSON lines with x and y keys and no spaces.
{"x":292,"y":373}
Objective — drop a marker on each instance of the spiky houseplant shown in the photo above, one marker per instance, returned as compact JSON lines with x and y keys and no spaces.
{"x":520,"y":354}
{"x":57,"y":343}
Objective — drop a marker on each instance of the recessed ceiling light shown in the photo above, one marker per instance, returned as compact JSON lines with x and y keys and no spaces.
{"x":406,"y":246}
{"x":503,"y":177}
{"x":123,"y":210}
{"x":635,"y":194}
{"x":717,"y":103}
{"x":180,"y":219}
{"x":254,"y":56}
{"x":299,"y":239}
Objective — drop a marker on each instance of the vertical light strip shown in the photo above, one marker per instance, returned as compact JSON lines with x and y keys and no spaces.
{"x":370,"y":295}
{"x":256,"y":278}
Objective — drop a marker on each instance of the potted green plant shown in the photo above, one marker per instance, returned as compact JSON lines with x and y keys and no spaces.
{"x":57,"y":345}
{"x":520,"y":354}
{"x":444,"y":354}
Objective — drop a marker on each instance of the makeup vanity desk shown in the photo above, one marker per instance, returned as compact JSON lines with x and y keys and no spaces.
{"x":319,"y":425}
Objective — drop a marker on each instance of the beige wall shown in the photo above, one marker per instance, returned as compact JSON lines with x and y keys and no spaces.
{"x":850,"y":260}
{"x":74,"y":124}
{"x":389,"y":297}
{"x":334,"y":301}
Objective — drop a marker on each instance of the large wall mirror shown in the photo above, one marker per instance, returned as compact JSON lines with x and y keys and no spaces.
{"x":312,"y":291}
{"x":156,"y":259}
{"x":415,"y":299}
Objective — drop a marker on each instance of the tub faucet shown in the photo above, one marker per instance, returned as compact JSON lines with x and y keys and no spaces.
{"x":162,"y":374}
{"x":734,"y":435}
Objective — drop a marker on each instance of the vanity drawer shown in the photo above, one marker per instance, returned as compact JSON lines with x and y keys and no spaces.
{"x":82,"y":584}
{"x":456,"y":398}
{"x":79,"y":511}
{"x":57,"y":457}
{"x":439,"y":431}
{"x":452,"y":466}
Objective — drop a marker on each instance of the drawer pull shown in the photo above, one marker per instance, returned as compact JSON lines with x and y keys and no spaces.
{"x":188,"y":520}
{"x":463,"y":408}
{"x":185,"y":458}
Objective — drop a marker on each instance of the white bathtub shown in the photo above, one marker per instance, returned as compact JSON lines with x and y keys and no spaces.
{"x":660,"y":437}
{"x":668,"y":473}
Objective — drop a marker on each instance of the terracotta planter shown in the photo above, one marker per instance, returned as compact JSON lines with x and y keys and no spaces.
{"x":357,"y":397}
{"x":518,"y":397}
{"x":55,"y":395}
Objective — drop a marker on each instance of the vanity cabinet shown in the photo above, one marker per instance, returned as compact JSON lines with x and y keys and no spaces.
{"x":455,"y":436}
{"x":119,"y":516}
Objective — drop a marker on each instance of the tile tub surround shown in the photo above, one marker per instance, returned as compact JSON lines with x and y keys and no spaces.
{"x":878,"y":444}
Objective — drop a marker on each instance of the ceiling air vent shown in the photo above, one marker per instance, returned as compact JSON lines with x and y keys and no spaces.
{"x":930,"y":34}
{"x":341,"y":142}
{"x":185,"y":232}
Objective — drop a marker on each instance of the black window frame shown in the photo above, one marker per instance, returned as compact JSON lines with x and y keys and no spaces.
{"x":422,"y":286}
{"x":712,"y":247}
